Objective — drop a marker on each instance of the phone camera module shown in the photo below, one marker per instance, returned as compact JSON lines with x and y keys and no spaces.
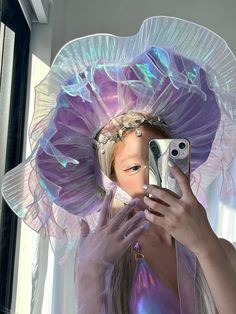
{"x":174,"y":152}
{"x":182,"y":145}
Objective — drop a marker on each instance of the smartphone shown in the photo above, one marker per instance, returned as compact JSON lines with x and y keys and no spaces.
{"x":160,"y":152}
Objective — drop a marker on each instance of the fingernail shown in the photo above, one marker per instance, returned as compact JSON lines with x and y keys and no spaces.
{"x":146,"y":225}
{"x":145,"y":186}
{"x":81,"y":222}
{"x":170,"y":163}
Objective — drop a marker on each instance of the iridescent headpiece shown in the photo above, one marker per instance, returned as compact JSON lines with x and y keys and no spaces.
{"x":172,"y":69}
{"x":116,"y":129}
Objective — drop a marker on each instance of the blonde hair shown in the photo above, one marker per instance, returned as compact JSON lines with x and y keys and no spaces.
{"x":121,"y":280}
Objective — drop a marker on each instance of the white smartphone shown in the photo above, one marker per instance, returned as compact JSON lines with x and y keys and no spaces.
{"x":161,"y":151}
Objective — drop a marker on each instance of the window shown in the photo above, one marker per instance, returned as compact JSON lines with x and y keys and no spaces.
{"x":14,"y":52}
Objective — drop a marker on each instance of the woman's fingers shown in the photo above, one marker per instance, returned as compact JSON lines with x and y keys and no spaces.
{"x":134,"y":234}
{"x":130,"y":224}
{"x":84,"y":228}
{"x":162,"y":195}
{"x":157,"y":220}
{"x":84,"y":231}
{"x":105,"y":210}
{"x":182,"y":180}
{"x":172,"y":193}
{"x":155,"y":206}
{"x":118,"y":218}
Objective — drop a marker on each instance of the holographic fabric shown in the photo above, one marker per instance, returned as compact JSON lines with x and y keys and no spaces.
{"x":149,"y":295}
{"x":176,"y":69}
{"x":171,"y":86}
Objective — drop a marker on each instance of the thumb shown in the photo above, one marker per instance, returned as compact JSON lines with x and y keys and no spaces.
{"x":84,"y":229}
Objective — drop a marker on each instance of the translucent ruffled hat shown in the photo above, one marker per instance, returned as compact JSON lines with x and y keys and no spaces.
{"x":177,"y":70}
{"x":174,"y":69}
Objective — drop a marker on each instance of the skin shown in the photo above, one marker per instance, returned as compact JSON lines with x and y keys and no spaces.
{"x":183,"y":219}
{"x":131,"y":169}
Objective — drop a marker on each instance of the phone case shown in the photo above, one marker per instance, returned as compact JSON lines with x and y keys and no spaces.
{"x":160,"y":152}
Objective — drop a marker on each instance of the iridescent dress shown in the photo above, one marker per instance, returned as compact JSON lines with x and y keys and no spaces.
{"x":149,"y":294}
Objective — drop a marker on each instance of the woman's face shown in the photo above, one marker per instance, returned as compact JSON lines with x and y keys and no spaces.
{"x":131,"y":161}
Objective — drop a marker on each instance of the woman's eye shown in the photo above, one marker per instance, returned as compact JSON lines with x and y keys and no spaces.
{"x":134,"y":168}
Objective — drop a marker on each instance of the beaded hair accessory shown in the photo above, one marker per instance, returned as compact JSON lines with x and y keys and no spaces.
{"x":122,"y":128}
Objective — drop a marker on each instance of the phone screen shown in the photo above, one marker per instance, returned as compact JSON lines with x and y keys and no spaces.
{"x":161,"y":151}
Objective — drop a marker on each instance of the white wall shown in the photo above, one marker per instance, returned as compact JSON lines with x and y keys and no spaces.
{"x":76,"y":18}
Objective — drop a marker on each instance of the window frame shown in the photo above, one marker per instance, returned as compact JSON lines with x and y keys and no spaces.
{"x":13,"y":18}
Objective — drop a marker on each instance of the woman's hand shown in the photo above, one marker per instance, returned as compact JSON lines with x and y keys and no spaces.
{"x":111,"y":237}
{"x":182,"y":217}
{"x":99,"y":249}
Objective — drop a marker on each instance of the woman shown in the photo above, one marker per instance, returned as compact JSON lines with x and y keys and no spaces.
{"x":183,"y":219}
{"x":172,"y":89}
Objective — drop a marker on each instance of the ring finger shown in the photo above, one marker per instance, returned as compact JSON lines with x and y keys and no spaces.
{"x":157,"y":207}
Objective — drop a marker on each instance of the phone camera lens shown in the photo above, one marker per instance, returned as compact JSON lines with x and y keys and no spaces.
{"x":174,"y":152}
{"x":182,"y":145}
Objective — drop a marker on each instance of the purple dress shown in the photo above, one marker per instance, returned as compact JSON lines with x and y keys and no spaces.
{"x":149,"y":295}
